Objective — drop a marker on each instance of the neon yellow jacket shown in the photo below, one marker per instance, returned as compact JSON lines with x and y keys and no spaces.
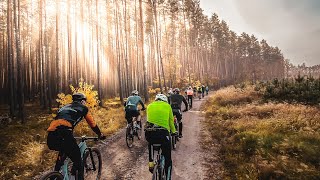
{"x":160,"y":113}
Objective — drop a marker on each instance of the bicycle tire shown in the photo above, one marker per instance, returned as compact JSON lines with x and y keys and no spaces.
{"x":129,"y":137}
{"x":155,"y":175}
{"x":139,"y":130}
{"x":88,"y":164}
{"x":174,"y":142}
{"x":162,"y":174}
{"x":54,"y":175}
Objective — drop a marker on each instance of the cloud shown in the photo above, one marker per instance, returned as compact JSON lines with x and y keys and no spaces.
{"x":292,"y":25}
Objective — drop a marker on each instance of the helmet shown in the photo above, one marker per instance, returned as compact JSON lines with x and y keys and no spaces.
{"x":135,"y":92}
{"x":161,"y":97}
{"x":79,"y":97}
{"x":176,"y":90}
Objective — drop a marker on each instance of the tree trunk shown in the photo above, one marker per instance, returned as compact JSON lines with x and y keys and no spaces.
{"x":10,"y":60}
{"x":19,"y":65}
{"x":142,"y":54}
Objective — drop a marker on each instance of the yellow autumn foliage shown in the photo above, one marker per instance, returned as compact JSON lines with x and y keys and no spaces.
{"x":85,"y":88}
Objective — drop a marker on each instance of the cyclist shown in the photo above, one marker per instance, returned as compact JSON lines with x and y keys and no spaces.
{"x":207,"y":90}
{"x":175,"y":101}
{"x":159,"y":126}
{"x":190,"y":95}
{"x":203,"y":89}
{"x":194,"y":91}
{"x":60,"y":132}
{"x":131,"y":107}
{"x":199,"y":91}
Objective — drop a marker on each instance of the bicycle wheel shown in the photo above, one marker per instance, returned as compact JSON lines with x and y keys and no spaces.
{"x":54,"y":175}
{"x":92,"y":166}
{"x":173,"y":142}
{"x":139,"y":130}
{"x":129,"y":136}
{"x":155,"y":174}
{"x":162,"y":174}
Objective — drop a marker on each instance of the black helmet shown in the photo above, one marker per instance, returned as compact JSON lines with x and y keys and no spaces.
{"x":79,"y":97}
{"x":176,"y":90}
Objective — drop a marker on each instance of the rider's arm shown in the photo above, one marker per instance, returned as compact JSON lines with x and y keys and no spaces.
{"x":92,"y":123}
{"x":171,"y":121}
{"x":142,"y":104}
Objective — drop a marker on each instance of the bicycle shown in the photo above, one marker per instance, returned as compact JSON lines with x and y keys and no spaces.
{"x":133,"y":129}
{"x":92,"y":163}
{"x":159,"y":170}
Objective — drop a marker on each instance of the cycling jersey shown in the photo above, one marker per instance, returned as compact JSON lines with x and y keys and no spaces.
{"x":176,"y":100}
{"x":189,"y":92}
{"x":70,"y":115}
{"x":133,"y":101}
{"x":160,"y":113}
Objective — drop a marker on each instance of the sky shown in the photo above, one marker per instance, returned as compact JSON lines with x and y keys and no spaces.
{"x":292,"y":25}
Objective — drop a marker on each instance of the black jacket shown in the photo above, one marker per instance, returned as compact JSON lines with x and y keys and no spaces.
{"x":175,"y":100}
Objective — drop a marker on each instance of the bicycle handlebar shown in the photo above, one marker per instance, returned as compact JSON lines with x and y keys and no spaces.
{"x":84,"y":138}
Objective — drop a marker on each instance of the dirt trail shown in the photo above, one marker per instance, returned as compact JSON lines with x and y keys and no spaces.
{"x":120,"y":162}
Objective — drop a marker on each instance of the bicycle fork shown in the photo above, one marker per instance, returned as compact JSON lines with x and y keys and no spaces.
{"x":92,"y":160}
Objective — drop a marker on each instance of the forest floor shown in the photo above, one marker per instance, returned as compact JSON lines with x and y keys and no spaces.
{"x":25,"y":154}
{"x":262,"y":139}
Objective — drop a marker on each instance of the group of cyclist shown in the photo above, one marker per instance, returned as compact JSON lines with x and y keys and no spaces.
{"x":160,"y":121}
{"x":159,"y":127}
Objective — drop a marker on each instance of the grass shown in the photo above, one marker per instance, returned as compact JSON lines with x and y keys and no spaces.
{"x":264,"y":140}
{"x":23,"y":149}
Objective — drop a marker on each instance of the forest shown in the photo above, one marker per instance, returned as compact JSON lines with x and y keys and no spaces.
{"x":260,"y":119}
{"x":121,"y":45}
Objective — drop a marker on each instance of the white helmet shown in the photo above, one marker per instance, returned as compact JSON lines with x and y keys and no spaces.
{"x":135,"y":92}
{"x":161,"y":97}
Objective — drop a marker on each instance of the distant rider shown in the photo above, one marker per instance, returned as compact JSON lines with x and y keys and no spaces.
{"x":203,"y":88}
{"x":190,"y":96}
{"x":199,"y":92}
{"x":175,"y":100}
{"x":131,"y":107}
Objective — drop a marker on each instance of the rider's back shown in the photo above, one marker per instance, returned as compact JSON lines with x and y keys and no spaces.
{"x":72,"y":112}
{"x":132,"y":102}
{"x":176,"y":100}
{"x":159,"y":113}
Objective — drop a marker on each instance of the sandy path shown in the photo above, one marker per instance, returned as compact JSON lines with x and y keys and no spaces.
{"x":120,"y":162}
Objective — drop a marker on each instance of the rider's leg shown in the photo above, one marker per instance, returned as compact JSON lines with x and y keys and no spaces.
{"x":148,"y":136}
{"x":138,"y":118}
{"x":128,"y":116}
{"x":60,"y":161}
{"x":55,"y":142}
{"x":166,"y":151}
{"x":179,"y":118}
{"x":150,"y":153}
{"x":72,"y":150}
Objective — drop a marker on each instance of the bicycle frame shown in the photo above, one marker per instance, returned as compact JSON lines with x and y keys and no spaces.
{"x":159,"y":160}
{"x":83,"y":146}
